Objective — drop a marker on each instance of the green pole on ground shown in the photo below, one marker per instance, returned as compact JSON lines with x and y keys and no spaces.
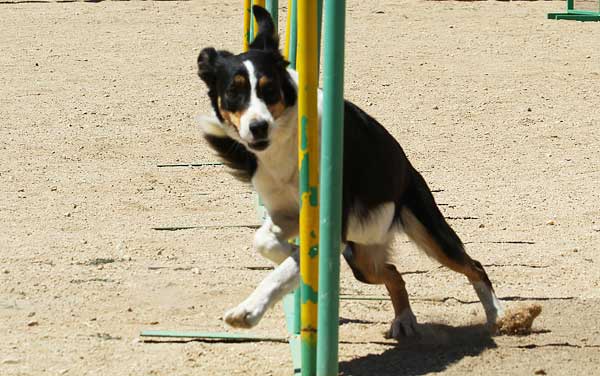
{"x":332,"y":136}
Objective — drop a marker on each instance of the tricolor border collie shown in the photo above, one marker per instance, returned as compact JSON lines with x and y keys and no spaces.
{"x":254,"y":131}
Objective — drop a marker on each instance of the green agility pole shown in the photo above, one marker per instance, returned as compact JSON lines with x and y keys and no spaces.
{"x":253,"y":24}
{"x":272,"y":7}
{"x":332,"y":148}
{"x":292,"y":33}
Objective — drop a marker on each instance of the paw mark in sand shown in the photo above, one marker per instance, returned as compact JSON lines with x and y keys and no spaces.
{"x":518,"y":320}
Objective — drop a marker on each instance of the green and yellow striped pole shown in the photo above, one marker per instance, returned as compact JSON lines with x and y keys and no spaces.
{"x":308,"y":162}
{"x":247,"y":15}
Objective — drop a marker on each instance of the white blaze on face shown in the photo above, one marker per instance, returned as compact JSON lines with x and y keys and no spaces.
{"x":257,"y":109}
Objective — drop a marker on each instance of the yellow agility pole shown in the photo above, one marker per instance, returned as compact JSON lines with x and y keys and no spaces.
{"x":308,"y":161}
{"x":247,"y":14}
{"x":288,"y":24}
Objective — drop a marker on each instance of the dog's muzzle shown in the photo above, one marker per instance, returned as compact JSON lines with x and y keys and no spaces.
{"x":260,"y":132}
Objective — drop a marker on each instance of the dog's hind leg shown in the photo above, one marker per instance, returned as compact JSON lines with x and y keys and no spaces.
{"x":425,"y":225}
{"x":369,"y":263}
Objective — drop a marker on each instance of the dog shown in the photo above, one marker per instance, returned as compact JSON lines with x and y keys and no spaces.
{"x":254,"y":131}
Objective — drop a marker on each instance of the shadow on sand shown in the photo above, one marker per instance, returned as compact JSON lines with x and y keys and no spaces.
{"x":438,"y":347}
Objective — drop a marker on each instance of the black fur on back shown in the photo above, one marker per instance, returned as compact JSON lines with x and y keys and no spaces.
{"x":375,"y":167}
{"x":377,"y":171}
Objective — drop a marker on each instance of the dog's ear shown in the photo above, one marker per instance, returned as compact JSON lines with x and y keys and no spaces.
{"x":266,"y":38}
{"x":207,"y":66}
{"x":208,"y":61}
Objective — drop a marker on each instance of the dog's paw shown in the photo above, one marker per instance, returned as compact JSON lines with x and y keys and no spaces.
{"x":404,"y":326}
{"x":210,"y":125}
{"x":246,"y":315}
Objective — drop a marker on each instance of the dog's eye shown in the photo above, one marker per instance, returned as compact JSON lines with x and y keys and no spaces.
{"x":232,"y":94}
{"x":270,"y":94}
{"x":233,"y":98}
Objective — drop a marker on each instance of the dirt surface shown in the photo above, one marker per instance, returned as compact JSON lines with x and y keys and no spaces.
{"x":497,"y":106}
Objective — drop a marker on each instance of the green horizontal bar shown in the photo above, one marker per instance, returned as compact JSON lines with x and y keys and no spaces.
{"x":189,"y":164}
{"x":584,"y":12}
{"x":573,"y":16}
{"x":365,"y":297}
{"x":177,"y":228}
{"x":210,"y":335}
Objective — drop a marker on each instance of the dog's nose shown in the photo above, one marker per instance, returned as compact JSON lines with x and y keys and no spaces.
{"x":259,"y":129}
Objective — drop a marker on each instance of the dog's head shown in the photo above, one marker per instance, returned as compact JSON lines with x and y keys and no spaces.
{"x":249,"y":91}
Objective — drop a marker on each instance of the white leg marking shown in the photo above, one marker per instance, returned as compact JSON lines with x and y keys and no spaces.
{"x":404,"y":325}
{"x":373,"y":228}
{"x":267,"y":242}
{"x":278,"y":283}
{"x":491,"y":304}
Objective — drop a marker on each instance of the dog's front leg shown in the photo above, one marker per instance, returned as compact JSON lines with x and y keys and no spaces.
{"x":270,"y":240}
{"x":281,"y":281}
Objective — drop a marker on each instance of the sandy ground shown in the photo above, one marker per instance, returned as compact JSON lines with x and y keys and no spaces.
{"x":497,"y":106}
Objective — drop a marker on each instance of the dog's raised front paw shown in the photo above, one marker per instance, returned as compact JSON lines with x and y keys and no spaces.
{"x":246,"y":315}
{"x":403,"y":326}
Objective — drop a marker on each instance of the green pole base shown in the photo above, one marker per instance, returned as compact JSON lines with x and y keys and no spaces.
{"x":574,"y":16}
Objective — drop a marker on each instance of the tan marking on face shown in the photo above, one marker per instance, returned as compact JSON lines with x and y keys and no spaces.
{"x":277,"y":109}
{"x":263,"y":81}
{"x":233,"y":118}
{"x":239,"y":81}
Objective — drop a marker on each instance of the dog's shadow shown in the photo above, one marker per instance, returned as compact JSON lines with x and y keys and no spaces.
{"x":438,"y":347}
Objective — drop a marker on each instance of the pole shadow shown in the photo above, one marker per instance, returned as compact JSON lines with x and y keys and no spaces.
{"x":438,"y":347}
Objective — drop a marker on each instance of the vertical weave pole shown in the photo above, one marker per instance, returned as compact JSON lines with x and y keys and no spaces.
{"x":332,"y":148}
{"x":291,"y":33}
{"x":288,"y":25}
{"x":272,"y":7}
{"x":254,"y":25}
{"x":308,"y":159}
{"x":247,"y":14}
{"x":289,"y":53}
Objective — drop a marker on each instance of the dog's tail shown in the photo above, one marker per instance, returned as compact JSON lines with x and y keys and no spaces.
{"x":426,"y":225}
